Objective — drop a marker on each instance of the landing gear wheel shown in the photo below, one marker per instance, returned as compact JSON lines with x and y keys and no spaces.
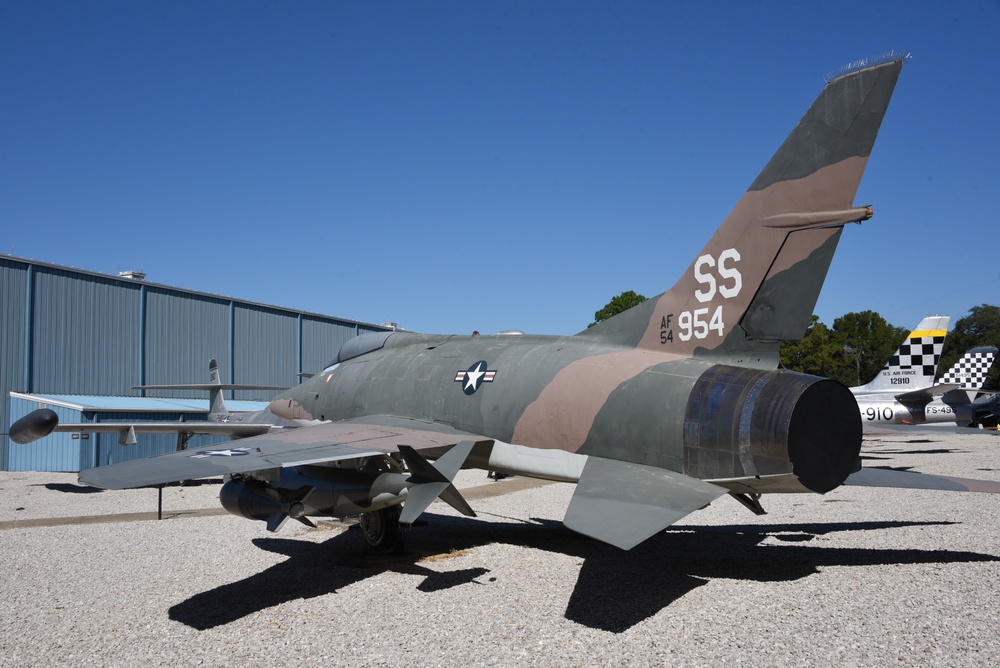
{"x":381,"y":529}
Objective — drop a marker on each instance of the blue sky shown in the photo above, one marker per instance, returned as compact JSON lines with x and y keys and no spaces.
{"x":459,"y":166}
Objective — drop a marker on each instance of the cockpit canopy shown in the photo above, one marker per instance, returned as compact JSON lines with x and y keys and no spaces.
{"x":360,"y":345}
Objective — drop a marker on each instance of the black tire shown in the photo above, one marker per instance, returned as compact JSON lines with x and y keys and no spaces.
{"x":381,"y":530}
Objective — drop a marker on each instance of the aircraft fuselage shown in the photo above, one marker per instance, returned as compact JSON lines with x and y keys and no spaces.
{"x":689,"y":415}
{"x":888,"y":411}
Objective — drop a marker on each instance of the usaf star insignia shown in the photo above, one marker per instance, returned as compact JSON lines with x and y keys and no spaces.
{"x":475,"y":376}
{"x":232,"y":452}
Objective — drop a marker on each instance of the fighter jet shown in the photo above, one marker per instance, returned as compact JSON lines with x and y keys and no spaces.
{"x":902,"y":394}
{"x":653,"y":413}
{"x":985,"y":411}
{"x":221,"y":422}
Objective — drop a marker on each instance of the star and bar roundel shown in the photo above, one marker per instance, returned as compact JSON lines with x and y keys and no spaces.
{"x":473,"y":378}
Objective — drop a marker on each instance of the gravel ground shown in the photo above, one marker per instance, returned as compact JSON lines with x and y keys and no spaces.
{"x":856,"y":577}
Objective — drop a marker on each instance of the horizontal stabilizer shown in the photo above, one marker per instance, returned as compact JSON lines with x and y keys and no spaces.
{"x":874,"y":477}
{"x":624,"y":504}
{"x":209,"y":386}
{"x":928,"y":394}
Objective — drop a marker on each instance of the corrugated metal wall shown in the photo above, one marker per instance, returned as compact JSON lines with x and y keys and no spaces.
{"x":85,"y":334}
{"x":317,"y":346}
{"x":265,"y":347}
{"x":13,"y":302}
{"x":183,"y":332}
{"x":70,"y":331}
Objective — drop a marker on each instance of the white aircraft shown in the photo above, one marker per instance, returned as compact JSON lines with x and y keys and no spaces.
{"x":904,"y":391}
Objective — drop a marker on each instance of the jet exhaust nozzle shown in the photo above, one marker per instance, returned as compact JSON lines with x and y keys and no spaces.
{"x":33,"y":426}
{"x":745,"y":422}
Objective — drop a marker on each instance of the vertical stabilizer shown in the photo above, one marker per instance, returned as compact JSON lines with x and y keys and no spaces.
{"x":217,"y":404}
{"x":915,"y":362}
{"x":757,"y":280}
{"x":969,"y":372}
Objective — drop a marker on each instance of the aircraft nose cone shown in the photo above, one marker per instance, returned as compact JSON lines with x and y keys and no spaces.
{"x":288,"y":408}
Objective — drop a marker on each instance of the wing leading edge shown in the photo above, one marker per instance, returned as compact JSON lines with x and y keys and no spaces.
{"x":346,"y":439}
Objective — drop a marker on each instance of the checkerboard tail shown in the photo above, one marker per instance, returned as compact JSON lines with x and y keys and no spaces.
{"x":915,"y":362}
{"x":970,"y":372}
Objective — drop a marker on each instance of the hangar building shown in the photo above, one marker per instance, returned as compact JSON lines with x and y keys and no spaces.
{"x":78,"y":341}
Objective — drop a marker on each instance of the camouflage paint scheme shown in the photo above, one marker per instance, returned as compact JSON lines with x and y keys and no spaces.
{"x":685,"y":381}
{"x":654,"y":413}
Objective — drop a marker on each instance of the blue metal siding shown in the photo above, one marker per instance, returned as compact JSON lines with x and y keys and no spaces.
{"x":321,"y":340}
{"x":72,"y":331}
{"x":86,"y":334}
{"x":265,"y":343}
{"x":182,"y":333}
{"x":13,"y":300}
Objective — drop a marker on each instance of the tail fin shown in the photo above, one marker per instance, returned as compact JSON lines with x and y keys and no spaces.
{"x":217,"y":404}
{"x":757,"y":280}
{"x":215,"y":386}
{"x":969,"y":373}
{"x":915,"y":363}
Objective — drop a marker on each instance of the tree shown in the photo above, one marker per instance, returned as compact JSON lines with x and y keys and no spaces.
{"x":869,"y":341}
{"x":820,"y":352}
{"x":622,"y":302}
{"x":980,"y":328}
{"x":852,"y":352}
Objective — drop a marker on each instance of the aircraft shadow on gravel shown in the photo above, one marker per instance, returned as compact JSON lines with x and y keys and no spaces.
{"x":75,"y":488}
{"x":900,"y":452}
{"x":611,"y":594}
{"x":70,"y":488}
